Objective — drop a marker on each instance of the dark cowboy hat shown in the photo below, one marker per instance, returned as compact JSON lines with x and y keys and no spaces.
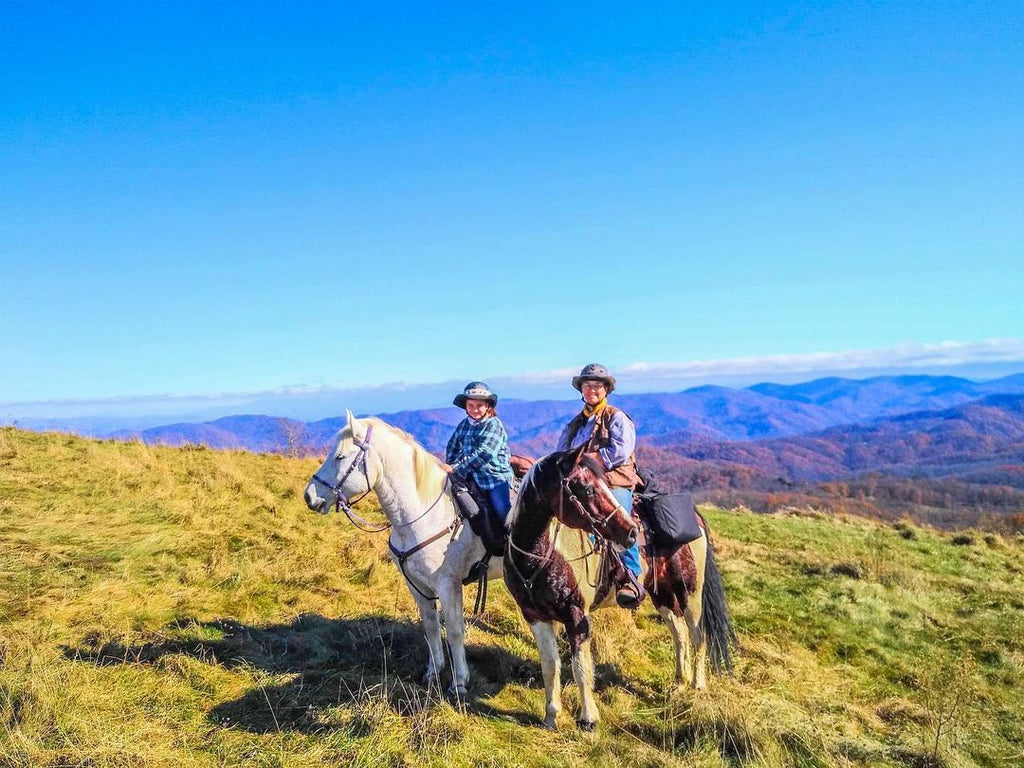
{"x":594,"y":372}
{"x":475,"y":390}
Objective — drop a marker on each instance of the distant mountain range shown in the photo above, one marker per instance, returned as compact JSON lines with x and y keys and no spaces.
{"x":709,"y":421}
{"x":976,"y":440}
{"x":961,"y":442}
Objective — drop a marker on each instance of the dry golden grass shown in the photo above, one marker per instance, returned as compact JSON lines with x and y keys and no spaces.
{"x":182,"y":607}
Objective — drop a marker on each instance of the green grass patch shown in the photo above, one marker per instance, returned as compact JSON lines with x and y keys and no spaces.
{"x":182,"y":607}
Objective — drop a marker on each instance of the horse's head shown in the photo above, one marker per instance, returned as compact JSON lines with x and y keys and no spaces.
{"x":587,"y":501}
{"x":347,"y":473}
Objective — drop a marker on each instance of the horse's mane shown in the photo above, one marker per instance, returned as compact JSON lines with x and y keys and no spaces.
{"x":527,"y":486}
{"x":574,"y":545}
{"x":528,"y":490}
{"x":429,"y":481}
{"x":593,"y":465}
{"x":538,"y":473}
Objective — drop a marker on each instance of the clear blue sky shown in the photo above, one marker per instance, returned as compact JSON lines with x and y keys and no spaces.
{"x":199,"y":198}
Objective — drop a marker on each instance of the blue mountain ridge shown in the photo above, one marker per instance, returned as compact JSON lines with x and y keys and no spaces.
{"x":706,"y":414}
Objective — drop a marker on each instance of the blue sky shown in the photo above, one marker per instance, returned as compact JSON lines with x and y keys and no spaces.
{"x":201,"y":198}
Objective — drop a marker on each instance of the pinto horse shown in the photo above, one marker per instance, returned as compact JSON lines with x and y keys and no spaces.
{"x":552,"y":567}
{"x":554,"y":575}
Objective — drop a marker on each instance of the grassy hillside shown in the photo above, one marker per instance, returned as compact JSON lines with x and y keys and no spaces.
{"x":182,"y":607}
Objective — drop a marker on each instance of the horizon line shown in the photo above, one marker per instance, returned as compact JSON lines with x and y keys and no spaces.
{"x":912,"y":355}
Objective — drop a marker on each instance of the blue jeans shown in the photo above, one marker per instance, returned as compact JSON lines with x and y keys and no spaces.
{"x":630,"y":556}
{"x":501,"y":500}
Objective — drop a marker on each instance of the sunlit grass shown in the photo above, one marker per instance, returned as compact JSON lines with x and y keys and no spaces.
{"x":182,"y":607}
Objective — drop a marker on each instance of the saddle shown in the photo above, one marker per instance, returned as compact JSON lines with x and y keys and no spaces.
{"x":475,"y":509}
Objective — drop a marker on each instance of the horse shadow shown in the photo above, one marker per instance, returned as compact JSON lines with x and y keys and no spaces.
{"x":330,"y":662}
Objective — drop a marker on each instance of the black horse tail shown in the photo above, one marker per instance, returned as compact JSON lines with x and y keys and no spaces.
{"x":715,"y":623}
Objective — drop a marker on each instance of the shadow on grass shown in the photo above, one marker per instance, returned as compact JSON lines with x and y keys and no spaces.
{"x":331,"y":663}
{"x":735,"y":744}
{"x":336,"y":662}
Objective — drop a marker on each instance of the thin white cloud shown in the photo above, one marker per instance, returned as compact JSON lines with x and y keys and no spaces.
{"x":946,"y":353}
{"x":636,"y":377}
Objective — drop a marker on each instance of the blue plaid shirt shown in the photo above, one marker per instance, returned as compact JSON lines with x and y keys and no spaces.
{"x":479,"y":449}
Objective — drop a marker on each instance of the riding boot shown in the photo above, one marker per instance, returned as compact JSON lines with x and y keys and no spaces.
{"x":630,"y":592}
{"x":492,"y":535}
{"x":630,"y":595}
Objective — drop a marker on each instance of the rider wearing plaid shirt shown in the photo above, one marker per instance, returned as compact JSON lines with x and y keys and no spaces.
{"x":479,"y":449}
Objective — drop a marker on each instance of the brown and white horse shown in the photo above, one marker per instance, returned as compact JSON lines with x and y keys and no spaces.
{"x":554,"y":575}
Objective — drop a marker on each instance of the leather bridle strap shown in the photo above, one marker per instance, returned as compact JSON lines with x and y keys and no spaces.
{"x":594,"y":520}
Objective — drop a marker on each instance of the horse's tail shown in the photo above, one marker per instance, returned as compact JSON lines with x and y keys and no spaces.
{"x":715,"y":623}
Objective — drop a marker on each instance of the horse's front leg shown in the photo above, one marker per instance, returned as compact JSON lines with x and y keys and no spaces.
{"x":432,"y":631}
{"x":583,"y":672}
{"x":551,"y":668}
{"x":450,"y":594}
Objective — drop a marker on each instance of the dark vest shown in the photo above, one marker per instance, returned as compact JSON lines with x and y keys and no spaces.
{"x":622,"y":476}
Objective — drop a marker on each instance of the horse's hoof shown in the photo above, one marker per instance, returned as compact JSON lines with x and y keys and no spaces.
{"x":458,"y":692}
{"x":550,"y":724}
{"x":587,"y":725}
{"x":428,"y":677}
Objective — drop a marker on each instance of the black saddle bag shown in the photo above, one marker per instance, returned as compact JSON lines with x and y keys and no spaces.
{"x":671,"y":517}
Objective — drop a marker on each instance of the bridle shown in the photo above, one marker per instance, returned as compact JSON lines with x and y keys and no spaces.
{"x":344,"y":504}
{"x":597,"y":523}
{"x":598,"y":528}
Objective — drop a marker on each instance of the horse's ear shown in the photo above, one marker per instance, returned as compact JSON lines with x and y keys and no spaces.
{"x":569,"y":459}
{"x":355,"y":428}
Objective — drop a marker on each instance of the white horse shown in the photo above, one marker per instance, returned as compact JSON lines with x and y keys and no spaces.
{"x":433,"y":549}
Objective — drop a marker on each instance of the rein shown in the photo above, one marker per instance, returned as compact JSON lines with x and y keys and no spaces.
{"x":596,"y":522}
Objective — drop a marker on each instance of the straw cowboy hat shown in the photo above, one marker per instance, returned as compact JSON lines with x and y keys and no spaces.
{"x":594,"y":372}
{"x":475,"y":390}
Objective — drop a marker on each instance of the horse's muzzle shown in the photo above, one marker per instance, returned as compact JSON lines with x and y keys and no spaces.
{"x":313,"y":501}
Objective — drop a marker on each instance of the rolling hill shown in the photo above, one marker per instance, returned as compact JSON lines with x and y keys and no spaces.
{"x":948,"y":451}
{"x":180,"y":606}
{"x":715,"y":413}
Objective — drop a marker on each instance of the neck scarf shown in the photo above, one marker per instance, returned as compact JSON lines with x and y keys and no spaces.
{"x":589,"y":411}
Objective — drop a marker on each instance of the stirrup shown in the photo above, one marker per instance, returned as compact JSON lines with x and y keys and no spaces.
{"x":477,"y":571}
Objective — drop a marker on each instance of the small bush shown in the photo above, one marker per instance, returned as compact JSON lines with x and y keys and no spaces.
{"x":845,"y":569}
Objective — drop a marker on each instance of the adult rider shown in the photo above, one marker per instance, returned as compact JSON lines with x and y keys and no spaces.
{"x":609,"y":433}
